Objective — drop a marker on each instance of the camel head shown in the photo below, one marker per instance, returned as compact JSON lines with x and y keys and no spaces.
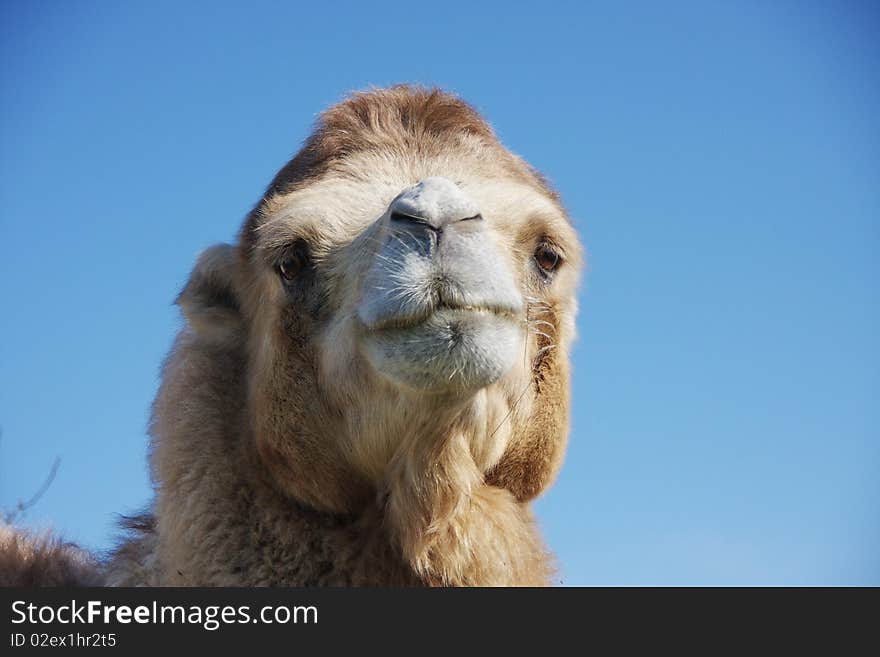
{"x":406,"y":285}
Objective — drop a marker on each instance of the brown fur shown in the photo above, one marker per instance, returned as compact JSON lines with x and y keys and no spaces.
{"x":29,"y":560}
{"x":280,"y":458}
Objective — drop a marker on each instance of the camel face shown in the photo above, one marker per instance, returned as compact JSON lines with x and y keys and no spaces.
{"x":406,"y":278}
{"x":440,"y":309}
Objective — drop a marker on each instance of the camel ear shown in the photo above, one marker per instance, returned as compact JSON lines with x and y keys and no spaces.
{"x":210,"y":298}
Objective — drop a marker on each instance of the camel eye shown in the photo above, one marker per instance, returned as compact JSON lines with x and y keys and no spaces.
{"x":547,"y":258}
{"x":294,"y":260}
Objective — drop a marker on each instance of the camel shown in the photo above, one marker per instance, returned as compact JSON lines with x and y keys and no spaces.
{"x":372,"y":383}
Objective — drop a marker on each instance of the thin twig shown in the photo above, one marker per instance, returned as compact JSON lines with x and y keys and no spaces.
{"x":22,"y":506}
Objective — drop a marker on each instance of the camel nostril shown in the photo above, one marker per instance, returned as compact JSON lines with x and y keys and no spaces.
{"x":413,"y":221}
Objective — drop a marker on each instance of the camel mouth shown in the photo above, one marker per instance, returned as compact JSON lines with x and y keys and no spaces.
{"x":442,"y":312}
{"x":450,"y":348}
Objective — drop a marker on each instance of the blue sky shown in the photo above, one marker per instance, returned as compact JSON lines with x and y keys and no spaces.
{"x":721,"y":161}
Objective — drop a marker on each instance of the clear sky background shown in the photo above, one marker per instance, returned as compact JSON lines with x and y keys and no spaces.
{"x":721,"y":161}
